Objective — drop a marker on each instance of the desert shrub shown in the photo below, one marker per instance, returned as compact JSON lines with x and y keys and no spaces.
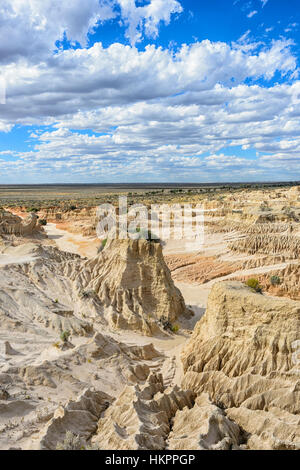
{"x":64,"y":336}
{"x":175,"y":328}
{"x":166,"y":324}
{"x":4,"y":395}
{"x":275,"y":280}
{"x":88,"y":294}
{"x":254,"y":284}
{"x":32,"y":209}
{"x":102,"y":246}
{"x":74,"y":442}
{"x":43,"y":222}
{"x":71,"y":442}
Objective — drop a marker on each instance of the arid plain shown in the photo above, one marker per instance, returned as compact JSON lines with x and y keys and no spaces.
{"x":134,"y":344}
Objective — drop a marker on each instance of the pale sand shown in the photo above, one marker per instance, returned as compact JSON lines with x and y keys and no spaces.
{"x":73,"y":243}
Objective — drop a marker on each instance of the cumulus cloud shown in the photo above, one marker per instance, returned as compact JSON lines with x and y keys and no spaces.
{"x":30,"y":28}
{"x":148,"y":140}
{"x":97,"y":77}
{"x":147,"y":18}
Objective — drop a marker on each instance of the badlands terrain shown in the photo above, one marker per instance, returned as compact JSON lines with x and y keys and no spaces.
{"x":134,"y":344}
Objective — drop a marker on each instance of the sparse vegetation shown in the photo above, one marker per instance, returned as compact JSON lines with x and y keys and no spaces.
{"x":275,"y":280}
{"x":102,"y":246}
{"x":64,"y":336}
{"x":71,"y":442}
{"x":166,"y":324}
{"x":175,"y":328}
{"x":254,"y":284}
{"x":86,"y":294}
{"x":74,"y":442}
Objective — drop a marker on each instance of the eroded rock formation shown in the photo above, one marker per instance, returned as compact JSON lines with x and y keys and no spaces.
{"x":13,"y":225}
{"x":132,"y":278}
{"x":242,"y":354}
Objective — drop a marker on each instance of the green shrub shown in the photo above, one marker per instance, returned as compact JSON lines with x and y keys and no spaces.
{"x":275,"y":280}
{"x":175,"y":328}
{"x":43,"y":222}
{"x":102,"y":246}
{"x":254,"y":284}
{"x":64,"y":336}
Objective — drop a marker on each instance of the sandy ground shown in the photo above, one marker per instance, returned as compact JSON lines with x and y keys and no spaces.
{"x":19,"y":255}
{"x":73,"y":243}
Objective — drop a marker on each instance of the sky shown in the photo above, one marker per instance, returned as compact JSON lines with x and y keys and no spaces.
{"x":131,"y":91}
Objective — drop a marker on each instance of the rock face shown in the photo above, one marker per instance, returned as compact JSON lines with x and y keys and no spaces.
{"x":154,"y":417}
{"x":191,"y":268}
{"x":80,"y":417}
{"x":286,"y":245}
{"x":132,"y":278}
{"x":13,"y":225}
{"x":242,"y":353}
{"x":127,"y":286}
{"x":204,"y":427}
{"x":140,"y":418}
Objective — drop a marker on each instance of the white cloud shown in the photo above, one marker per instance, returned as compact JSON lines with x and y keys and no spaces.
{"x":87,"y":79}
{"x":264,"y":2}
{"x":252,"y":13}
{"x":146,"y":18}
{"x":30,"y":28}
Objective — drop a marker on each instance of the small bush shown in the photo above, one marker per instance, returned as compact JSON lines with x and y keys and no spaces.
{"x":165,"y":323}
{"x":275,"y":280}
{"x":175,"y":328}
{"x":88,"y":294}
{"x":254,"y":284}
{"x":71,"y":442}
{"x":43,"y":222}
{"x":64,"y":336}
{"x":102,"y":246}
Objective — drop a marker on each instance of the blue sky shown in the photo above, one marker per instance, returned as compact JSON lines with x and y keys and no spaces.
{"x":156,"y":90}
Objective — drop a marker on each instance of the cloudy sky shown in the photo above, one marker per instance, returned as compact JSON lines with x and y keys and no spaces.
{"x":149,"y":91}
